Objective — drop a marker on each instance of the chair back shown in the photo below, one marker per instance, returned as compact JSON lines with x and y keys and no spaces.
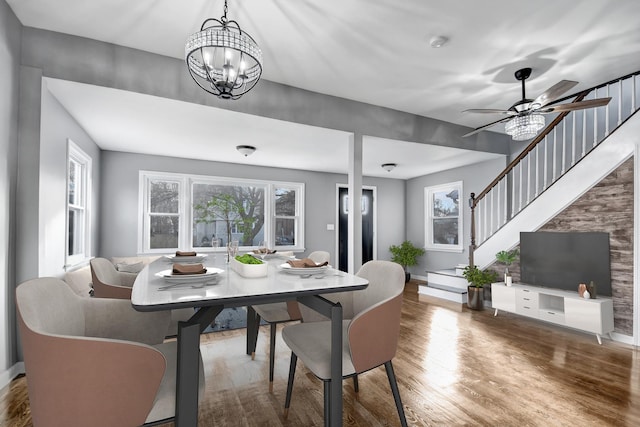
{"x":320,"y":257}
{"x":79,"y":380}
{"x":106,"y":280}
{"x":374,"y":329}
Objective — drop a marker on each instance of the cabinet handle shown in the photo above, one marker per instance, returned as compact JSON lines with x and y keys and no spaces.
{"x":528,"y":308}
{"x":551,"y":312}
{"x":526,"y":299}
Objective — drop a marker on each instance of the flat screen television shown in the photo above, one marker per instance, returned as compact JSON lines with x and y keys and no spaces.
{"x":563,"y":260}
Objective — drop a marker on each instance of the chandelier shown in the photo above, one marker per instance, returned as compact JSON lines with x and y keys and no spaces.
{"x":222,"y":59}
{"x":524,"y":127}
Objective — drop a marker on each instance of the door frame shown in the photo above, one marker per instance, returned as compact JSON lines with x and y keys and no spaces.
{"x":337,"y":221}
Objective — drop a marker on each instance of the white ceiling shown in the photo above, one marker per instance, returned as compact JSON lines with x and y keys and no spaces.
{"x":373,"y":52}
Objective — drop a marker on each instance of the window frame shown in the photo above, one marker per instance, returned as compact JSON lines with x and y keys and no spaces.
{"x":429,"y":217}
{"x":83,"y":227}
{"x":185,"y":232}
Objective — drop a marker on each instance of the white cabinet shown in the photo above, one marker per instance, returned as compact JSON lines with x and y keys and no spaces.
{"x":555,"y":306}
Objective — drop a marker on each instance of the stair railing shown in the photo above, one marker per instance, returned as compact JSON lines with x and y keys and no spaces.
{"x":568,"y":139}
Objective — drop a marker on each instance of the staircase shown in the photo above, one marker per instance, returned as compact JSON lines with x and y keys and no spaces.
{"x":575,"y":152}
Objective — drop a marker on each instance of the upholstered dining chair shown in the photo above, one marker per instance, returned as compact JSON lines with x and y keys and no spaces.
{"x":111,"y":283}
{"x":94,"y":361}
{"x":107,"y":282}
{"x":370,"y":330}
{"x":282,"y":312}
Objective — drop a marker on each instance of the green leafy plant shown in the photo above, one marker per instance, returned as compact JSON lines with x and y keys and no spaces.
{"x":478,"y":278}
{"x":507,"y":257}
{"x":406,"y":254}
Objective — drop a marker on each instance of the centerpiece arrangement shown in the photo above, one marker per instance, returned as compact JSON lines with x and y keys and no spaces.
{"x":249,"y":266}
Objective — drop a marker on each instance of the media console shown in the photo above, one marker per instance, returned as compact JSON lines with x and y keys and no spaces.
{"x":555,"y":306}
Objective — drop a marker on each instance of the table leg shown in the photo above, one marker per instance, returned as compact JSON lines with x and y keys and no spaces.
{"x":335,"y":399}
{"x":187,"y":373}
{"x":252,"y":330}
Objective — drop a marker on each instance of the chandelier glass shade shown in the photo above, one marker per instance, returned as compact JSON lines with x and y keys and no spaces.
{"x":222,"y":59}
{"x":524,"y":127}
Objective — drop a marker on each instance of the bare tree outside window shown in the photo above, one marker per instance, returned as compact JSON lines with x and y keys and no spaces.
{"x":227,"y":213}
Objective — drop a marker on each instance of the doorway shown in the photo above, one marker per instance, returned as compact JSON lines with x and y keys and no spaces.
{"x":368,"y":206}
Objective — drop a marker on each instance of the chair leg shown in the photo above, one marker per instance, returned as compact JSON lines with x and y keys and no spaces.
{"x":355,"y":386}
{"x":292,"y":374}
{"x":272,"y":355}
{"x":396,"y":393}
{"x":327,"y":402}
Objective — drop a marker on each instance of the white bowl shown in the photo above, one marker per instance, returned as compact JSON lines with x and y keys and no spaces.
{"x":249,"y":270}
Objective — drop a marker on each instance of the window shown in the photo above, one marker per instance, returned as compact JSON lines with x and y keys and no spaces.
{"x":443,"y":228}
{"x":78,"y":205}
{"x":191,"y":211}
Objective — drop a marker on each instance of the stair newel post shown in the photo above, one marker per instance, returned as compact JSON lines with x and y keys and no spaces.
{"x":472,"y":246}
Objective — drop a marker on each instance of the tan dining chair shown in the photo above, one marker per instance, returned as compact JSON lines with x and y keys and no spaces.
{"x":281,"y":312}
{"x":94,"y":361}
{"x":371,"y":327}
{"x":111,"y":283}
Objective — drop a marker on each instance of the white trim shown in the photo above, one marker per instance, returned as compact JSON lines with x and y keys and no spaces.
{"x":186,"y":182}
{"x":75,"y":153}
{"x":428,"y":211}
{"x":7,"y":376}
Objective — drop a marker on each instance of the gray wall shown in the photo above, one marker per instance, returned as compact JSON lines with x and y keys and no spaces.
{"x":10,"y":34}
{"x":120,"y":186}
{"x":56,"y":127}
{"x":474,"y":179}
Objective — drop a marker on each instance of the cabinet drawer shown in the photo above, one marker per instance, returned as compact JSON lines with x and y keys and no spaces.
{"x":552,"y":316}
{"x":527,"y":303}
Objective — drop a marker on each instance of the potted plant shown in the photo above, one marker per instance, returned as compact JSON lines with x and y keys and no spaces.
{"x":507,"y":258}
{"x":477,"y":280}
{"x":406,"y":255}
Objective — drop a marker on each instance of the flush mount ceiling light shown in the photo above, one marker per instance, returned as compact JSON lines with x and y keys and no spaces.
{"x":246,"y":149}
{"x":524,"y":127}
{"x":388,"y":166}
{"x":437,"y":42}
{"x":222,"y":59}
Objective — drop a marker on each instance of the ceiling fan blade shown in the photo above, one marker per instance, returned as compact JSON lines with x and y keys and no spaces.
{"x":591,"y":103}
{"x":490,"y":111}
{"x":553,"y":93}
{"x":481,"y":128}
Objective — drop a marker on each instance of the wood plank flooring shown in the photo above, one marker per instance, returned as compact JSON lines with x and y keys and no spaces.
{"x":453,"y":369}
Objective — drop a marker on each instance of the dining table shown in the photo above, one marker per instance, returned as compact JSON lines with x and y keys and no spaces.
{"x":221,"y":286}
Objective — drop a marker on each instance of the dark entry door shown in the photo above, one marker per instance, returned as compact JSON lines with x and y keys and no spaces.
{"x":343,"y":224}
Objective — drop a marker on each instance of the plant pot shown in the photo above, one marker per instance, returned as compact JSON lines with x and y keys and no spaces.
{"x":475,"y":298}
{"x":407,"y":277}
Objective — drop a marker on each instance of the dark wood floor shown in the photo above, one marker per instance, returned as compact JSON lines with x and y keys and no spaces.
{"x":464,"y":368}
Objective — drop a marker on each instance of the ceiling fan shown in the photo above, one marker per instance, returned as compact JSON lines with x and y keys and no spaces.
{"x":524,"y":118}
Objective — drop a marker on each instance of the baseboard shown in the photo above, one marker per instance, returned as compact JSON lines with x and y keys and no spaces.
{"x":625,"y":339}
{"x":11,"y":373}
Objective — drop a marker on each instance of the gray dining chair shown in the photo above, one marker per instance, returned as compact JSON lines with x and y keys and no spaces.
{"x":281,"y":312}
{"x":370,"y":327}
{"x":94,"y":361}
{"x":107,"y":282}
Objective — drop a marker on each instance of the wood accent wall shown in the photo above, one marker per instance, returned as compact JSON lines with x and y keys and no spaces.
{"x":607,"y":207}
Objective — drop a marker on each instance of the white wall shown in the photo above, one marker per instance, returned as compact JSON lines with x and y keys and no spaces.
{"x":474,"y":179}
{"x":119,"y":213}
{"x":10,"y":34}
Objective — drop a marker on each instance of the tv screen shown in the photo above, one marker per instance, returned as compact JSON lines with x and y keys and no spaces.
{"x":563,"y":260}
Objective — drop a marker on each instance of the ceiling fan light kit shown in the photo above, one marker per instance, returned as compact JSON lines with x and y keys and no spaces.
{"x":522,"y":128}
{"x":222,"y":59}
{"x":388,"y":166}
{"x":525,"y":118}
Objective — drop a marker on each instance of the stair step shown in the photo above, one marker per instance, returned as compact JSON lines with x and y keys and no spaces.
{"x":446,"y":279}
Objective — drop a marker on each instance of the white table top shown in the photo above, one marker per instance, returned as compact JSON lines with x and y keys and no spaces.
{"x":231,"y":289}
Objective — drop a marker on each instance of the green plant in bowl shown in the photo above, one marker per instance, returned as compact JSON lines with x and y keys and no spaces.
{"x":248,"y":259}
